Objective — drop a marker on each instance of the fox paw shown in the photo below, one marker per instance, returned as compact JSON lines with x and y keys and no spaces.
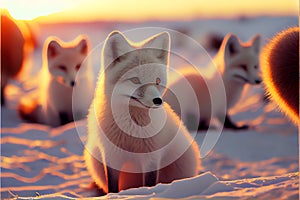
{"x":230,"y":125}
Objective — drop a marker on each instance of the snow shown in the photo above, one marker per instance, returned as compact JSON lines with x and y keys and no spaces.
{"x":259,"y":163}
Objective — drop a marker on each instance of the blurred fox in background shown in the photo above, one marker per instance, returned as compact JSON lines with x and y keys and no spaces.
{"x":280,"y":67}
{"x":12,"y":51}
{"x":238,"y":65}
{"x":52,"y":104}
{"x":17,"y":42}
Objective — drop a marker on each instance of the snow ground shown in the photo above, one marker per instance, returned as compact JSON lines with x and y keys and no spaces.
{"x":260,"y":163}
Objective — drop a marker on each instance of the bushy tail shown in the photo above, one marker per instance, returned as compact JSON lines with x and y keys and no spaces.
{"x":280,"y":67}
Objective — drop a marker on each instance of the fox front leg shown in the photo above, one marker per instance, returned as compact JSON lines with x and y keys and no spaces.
{"x":229,"y":124}
{"x":150,"y":178}
{"x":2,"y":97}
{"x":203,"y":125}
{"x":64,"y":118}
{"x":113,"y":180}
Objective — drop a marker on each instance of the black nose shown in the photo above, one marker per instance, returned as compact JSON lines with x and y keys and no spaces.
{"x":257,"y":81}
{"x":73,"y":83}
{"x":157,"y":101}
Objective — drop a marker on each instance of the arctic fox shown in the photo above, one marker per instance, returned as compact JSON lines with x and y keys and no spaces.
{"x":12,"y":51}
{"x":134,"y":138}
{"x":61,"y":62}
{"x":280,"y":71}
{"x":238,"y":64}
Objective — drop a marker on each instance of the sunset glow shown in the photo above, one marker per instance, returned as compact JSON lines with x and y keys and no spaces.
{"x":30,"y":9}
{"x":134,"y":10}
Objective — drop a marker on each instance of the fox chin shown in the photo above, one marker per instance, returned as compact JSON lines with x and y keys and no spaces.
{"x":134,"y":138}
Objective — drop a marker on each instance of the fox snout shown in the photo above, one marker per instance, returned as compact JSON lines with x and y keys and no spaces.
{"x":255,"y":81}
{"x":65,"y":82}
{"x":149,"y":96}
{"x":153,"y":96}
{"x":157,"y":101}
{"x":73,"y":83}
{"x":258,"y":81}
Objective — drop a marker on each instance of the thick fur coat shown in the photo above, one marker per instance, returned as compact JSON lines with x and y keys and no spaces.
{"x":135,"y":139}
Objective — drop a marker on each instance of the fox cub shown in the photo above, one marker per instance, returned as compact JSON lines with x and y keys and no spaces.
{"x":52,"y":104}
{"x":238,"y":65}
{"x":134,"y":138}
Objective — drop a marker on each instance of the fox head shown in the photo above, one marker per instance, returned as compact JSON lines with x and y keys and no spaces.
{"x":241,"y":60}
{"x":136,"y":73}
{"x":65,"y":59}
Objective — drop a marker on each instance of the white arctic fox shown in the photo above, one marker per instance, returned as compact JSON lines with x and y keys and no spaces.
{"x":238,"y":64}
{"x":52,"y":103}
{"x":134,"y":138}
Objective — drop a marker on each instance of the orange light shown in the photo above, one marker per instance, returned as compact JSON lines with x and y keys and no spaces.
{"x":30,"y":9}
{"x":136,"y":10}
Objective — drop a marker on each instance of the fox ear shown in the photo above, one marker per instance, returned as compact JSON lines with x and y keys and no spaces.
{"x":256,"y":43}
{"x":53,"y":49}
{"x":160,"y":42}
{"x":83,"y":46}
{"x":233,"y":45}
{"x":115,"y":46}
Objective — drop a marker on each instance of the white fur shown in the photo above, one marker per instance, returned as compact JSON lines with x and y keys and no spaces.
{"x":151,"y":136}
{"x":231,"y":55}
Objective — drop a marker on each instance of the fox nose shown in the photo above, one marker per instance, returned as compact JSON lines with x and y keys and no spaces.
{"x":73,"y":83}
{"x":157,"y":101}
{"x":258,"y":81}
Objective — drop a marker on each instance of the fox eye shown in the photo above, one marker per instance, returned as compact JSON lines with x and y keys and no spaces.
{"x":135,"y":80}
{"x":62,"y":67}
{"x":157,"y":81}
{"x":244,"y":67}
{"x":255,"y":67}
{"x":77,"y":67}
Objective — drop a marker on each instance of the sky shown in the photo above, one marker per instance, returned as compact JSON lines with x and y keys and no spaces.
{"x":139,"y":10}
